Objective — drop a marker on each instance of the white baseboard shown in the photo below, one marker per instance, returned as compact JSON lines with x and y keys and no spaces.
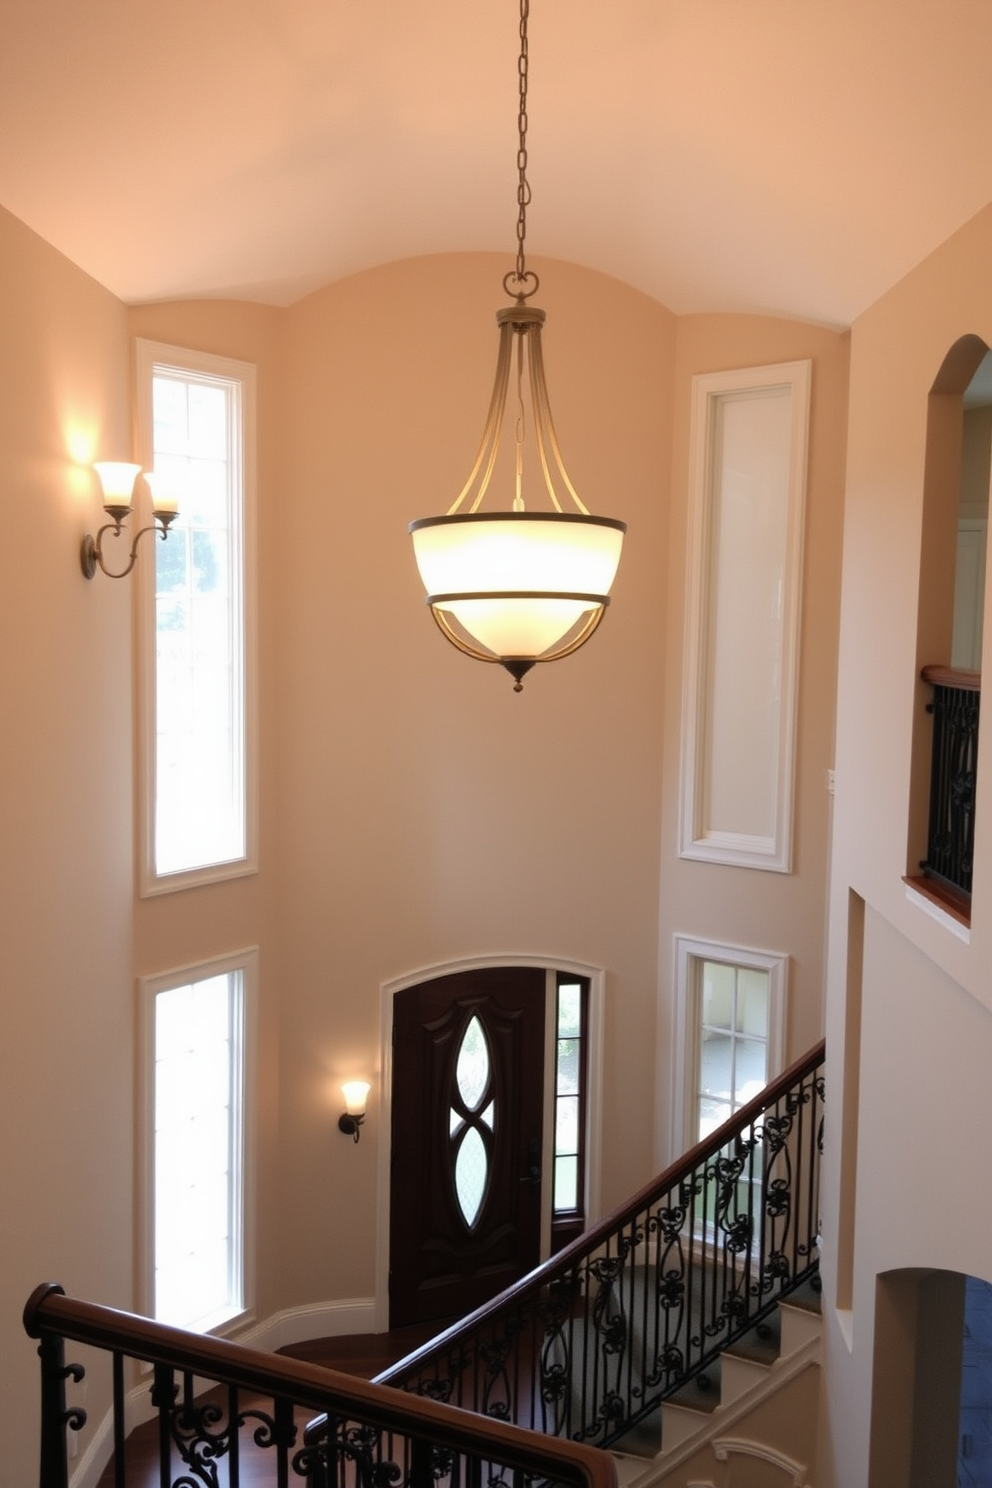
{"x":292,"y":1325}
{"x":316,"y":1320}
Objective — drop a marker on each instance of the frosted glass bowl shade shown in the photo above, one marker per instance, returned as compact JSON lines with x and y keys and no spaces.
{"x":518,"y":582}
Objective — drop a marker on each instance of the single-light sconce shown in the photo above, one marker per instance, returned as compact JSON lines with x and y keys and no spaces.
{"x":355,"y":1095}
{"x":118,"y":479}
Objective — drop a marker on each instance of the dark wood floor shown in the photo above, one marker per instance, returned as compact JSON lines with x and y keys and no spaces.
{"x":364,"y":1355}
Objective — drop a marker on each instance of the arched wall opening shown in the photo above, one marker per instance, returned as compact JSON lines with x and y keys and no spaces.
{"x":935,"y":629}
{"x":931,"y":1380}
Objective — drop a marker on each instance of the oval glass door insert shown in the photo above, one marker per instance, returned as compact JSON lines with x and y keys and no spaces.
{"x":472,"y":1079}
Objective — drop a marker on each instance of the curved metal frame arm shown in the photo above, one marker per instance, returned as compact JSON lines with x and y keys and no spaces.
{"x":91,"y":548}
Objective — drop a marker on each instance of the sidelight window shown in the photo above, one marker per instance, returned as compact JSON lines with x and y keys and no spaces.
{"x":570,"y":1103}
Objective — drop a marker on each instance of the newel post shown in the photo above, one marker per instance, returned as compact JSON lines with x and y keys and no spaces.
{"x":55,"y":1418}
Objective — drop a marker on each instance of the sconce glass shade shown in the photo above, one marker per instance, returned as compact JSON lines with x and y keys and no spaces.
{"x":117,"y":478}
{"x":164,"y":498}
{"x":355,"y":1095}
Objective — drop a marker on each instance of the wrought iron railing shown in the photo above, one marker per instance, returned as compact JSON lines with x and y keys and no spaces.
{"x":953,"y":776}
{"x":228,"y":1414}
{"x":592,"y":1341}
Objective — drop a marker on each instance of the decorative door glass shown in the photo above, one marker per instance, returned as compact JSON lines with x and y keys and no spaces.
{"x":471,"y":1120}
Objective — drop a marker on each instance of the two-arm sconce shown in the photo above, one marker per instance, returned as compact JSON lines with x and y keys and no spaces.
{"x":355,"y":1095}
{"x":118,"y":479}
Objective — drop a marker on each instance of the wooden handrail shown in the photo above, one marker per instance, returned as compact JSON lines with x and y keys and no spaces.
{"x":945,"y":676}
{"x":591,"y":1239}
{"x":50,"y":1312}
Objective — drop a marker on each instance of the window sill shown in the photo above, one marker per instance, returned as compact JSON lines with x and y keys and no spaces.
{"x":946,"y":905}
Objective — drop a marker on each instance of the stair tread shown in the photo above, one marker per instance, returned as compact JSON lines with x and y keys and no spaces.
{"x":699,"y":1397}
{"x":807,"y":1295}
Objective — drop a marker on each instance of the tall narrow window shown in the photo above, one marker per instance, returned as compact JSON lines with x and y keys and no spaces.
{"x":196,"y":1030}
{"x":571,"y":1052}
{"x":199,"y":817}
{"x":729,"y":1039}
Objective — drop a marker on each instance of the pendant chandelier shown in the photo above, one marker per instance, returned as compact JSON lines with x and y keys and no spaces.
{"x":518,"y":586}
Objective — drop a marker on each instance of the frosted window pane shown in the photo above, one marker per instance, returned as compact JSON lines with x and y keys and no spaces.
{"x":712,"y":1113}
{"x":569,"y":1009}
{"x":752,"y":1002}
{"x":716,"y":1065}
{"x":488,"y":1115}
{"x":566,"y":1182}
{"x":472,"y":1072}
{"x":750,"y":1070}
{"x":568,"y":1066}
{"x":567,"y":1125}
{"x":718,"y":994}
{"x":471,"y":1172}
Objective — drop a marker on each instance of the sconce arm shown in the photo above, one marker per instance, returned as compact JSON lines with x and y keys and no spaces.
{"x":91,"y":548}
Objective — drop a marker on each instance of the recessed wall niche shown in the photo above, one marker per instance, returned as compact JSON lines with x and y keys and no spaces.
{"x":747,"y":489}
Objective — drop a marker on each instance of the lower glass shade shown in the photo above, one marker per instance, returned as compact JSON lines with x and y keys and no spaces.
{"x":519,"y":583}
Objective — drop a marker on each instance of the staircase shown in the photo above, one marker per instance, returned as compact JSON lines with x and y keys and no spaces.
{"x":675,"y":1317}
{"x":681,"y":1333}
{"x":760,"y":1397}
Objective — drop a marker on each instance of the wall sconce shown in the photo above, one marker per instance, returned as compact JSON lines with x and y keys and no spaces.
{"x":355,"y":1095}
{"x":117,"y":480}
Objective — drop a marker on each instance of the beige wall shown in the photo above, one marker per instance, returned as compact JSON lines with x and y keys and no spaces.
{"x":66,"y":1065}
{"x":918,"y":999}
{"x":776,"y":912}
{"x":414,"y":810}
{"x":179,"y":929}
{"x":427,"y":811}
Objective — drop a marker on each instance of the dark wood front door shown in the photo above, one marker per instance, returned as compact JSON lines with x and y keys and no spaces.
{"x":467,"y":1117}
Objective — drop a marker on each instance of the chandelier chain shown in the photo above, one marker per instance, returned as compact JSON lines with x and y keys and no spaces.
{"x":523,"y":185}
{"x":520,"y":279}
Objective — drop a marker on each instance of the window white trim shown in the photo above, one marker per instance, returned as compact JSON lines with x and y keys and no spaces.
{"x":245,"y":961}
{"x":689,"y":954}
{"x":747,"y":484}
{"x":151,"y":355}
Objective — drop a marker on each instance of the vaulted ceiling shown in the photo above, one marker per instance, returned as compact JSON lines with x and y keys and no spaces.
{"x":776,"y":156}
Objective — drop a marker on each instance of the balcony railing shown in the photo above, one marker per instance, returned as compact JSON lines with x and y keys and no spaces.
{"x":230,"y":1415}
{"x":592,"y":1341}
{"x":953,"y":781}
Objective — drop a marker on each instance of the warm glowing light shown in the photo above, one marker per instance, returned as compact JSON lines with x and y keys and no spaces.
{"x":518,"y":582}
{"x":81,"y":444}
{"x":117,"y":478}
{"x":355,"y":1095}
{"x":164,"y":496}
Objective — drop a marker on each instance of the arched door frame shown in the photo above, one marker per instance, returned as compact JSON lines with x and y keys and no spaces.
{"x":594,"y":1106}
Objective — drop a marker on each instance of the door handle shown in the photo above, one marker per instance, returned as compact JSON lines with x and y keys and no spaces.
{"x":533,"y":1173}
